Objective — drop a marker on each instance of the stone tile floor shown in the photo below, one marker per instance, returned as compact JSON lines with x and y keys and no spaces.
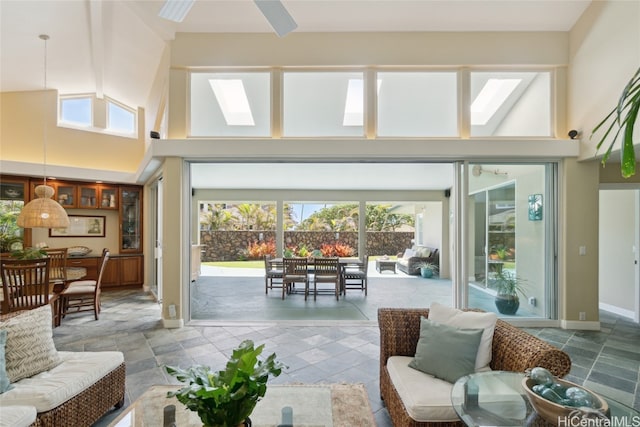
{"x":607,"y":361}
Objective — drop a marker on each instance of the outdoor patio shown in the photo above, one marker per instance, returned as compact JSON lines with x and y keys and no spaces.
{"x":224,"y":294}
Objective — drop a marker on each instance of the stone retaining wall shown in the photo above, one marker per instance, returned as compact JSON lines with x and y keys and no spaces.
{"x":233,"y":245}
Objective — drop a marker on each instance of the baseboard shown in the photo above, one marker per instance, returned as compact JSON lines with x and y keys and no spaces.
{"x":580,"y":324}
{"x":172,"y":323}
{"x":617,"y":310}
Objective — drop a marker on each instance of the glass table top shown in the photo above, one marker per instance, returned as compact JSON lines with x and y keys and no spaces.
{"x":297,"y":406}
{"x":497,"y":398}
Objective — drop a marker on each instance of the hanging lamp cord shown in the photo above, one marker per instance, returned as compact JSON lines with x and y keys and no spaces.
{"x":44,"y":129}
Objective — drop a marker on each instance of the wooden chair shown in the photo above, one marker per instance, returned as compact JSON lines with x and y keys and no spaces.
{"x":25,"y":284}
{"x":356,"y":278}
{"x":83,"y":295}
{"x":272,"y":274}
{"x":57,"y":265}
{"x":326,"y":270}
{"x":295,"y":270}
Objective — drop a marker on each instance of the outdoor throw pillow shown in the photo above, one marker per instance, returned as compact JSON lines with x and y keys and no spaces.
{"x":446,"y":352}
{"x":4,"y":380}
{"x":469,"y":319}
{"x":29,"y":348}
{"x":408,"y":253}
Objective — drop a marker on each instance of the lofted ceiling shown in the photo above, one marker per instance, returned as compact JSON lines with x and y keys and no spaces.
{"x":114,"y":47}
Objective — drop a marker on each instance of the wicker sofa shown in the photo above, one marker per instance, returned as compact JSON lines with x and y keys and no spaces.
{"x":512,"y":350}
{"x":76,"y":392}
{"x":410,"y":260}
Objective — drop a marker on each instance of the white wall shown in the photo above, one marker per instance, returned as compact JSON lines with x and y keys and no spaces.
{"x":618,"y":212}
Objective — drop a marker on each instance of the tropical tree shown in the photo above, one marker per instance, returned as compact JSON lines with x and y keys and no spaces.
{"x":379,"y":218}
{"x":10,"y":233}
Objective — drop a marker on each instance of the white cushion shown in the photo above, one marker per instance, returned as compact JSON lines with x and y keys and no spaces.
{"x":425,"y":397}
{"x":81,"y":283}
{"x":408,"y":253}
{"x":79,"y":289}
{"x":77,"y":372}
{"x":29,"y":348}
{"x":469,"y":319}
{"x":17,"y":416}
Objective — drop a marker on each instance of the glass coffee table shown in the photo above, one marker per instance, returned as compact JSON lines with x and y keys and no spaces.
{"x":283,"y":405}
{"x":497,"y":398}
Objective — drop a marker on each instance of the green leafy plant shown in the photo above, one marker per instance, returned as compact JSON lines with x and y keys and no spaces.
{"x":226,"y":398}
{"x":506,"y":283}
{"x":29,"y":253}
{"x":623,"y":119}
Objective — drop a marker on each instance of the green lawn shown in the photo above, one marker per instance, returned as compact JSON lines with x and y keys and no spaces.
{"x":237,"y":264}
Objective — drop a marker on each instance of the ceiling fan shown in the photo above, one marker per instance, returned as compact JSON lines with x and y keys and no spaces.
{"x":275,"y":12}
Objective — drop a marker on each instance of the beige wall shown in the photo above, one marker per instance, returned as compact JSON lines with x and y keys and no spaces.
{"x":604,"y":54}
{"x":22,"y":137}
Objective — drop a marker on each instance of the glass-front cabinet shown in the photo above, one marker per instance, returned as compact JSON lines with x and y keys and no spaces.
{"x":130,"y":219}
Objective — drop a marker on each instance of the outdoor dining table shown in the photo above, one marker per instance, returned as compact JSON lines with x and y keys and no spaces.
{"x":344,"y":263}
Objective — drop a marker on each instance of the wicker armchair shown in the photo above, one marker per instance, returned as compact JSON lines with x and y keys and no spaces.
{"x":512,"y":350}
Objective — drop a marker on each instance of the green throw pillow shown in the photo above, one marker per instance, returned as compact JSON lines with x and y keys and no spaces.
{"x":4,"y":379}
{"x":446,"y":352}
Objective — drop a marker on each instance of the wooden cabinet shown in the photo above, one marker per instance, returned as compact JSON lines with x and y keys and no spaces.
{"x":123,"y":271}
{"x":90,"y":264}
{"x":130,"y":219}
{"x":74,"y":195}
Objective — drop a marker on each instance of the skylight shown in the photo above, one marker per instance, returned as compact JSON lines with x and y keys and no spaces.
{"x":354,"y":104}
{"x":175,"y":10}
{"x":233,"y":101}
{"x":354,"y":109}
{"x":491,"y":98}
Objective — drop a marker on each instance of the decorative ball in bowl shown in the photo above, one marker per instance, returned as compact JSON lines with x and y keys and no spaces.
{"x":78,"y":251}
{"x":556,"y":399}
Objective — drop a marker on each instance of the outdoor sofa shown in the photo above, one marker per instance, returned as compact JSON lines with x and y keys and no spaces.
{"x":410,"y":261}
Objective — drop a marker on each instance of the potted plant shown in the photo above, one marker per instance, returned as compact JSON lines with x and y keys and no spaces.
{"x":427,"y":269}
{"x":622,"y":118}
{"x":226,"y":398}
{"x":507,"y":286}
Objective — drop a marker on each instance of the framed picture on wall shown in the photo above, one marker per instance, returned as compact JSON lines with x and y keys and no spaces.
{"x":81,"y":226}
{"x":535,"y":207}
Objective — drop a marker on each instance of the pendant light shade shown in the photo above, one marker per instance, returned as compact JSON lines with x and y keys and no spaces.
{"x":43,"y":211}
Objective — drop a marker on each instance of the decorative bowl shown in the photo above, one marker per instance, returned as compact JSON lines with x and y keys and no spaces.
{"x":78,"y":250}
{"x":553,"y":412}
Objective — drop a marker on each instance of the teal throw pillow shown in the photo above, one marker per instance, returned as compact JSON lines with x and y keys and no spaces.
{"x":446,"y":352}
{"x":4,"y":379}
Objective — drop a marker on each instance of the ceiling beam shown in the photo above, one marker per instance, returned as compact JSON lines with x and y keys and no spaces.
{"x":97,"y":45}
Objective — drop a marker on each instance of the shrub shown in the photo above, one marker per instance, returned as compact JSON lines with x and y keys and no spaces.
{"x":257,"y":250}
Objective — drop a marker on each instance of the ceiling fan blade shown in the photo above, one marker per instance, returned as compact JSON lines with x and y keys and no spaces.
{"x":175,"y":10}
{"x":277,"y":16}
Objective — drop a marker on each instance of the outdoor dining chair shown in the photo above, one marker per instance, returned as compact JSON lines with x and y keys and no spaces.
{"x":295,"y":270}
{"x":356,"y":278}
{"x":272,"y":274}
{"x":326,"y":270}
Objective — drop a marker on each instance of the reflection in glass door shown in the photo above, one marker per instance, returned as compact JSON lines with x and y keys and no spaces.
{"x":511,"y":237}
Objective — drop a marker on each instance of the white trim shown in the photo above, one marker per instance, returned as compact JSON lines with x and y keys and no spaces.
{"x":580,"y":325}
{"x":172,"y":323}
{"x":617,"y":310}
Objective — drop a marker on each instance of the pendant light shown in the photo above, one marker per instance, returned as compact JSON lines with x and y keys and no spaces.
{"x":43,"y":211}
